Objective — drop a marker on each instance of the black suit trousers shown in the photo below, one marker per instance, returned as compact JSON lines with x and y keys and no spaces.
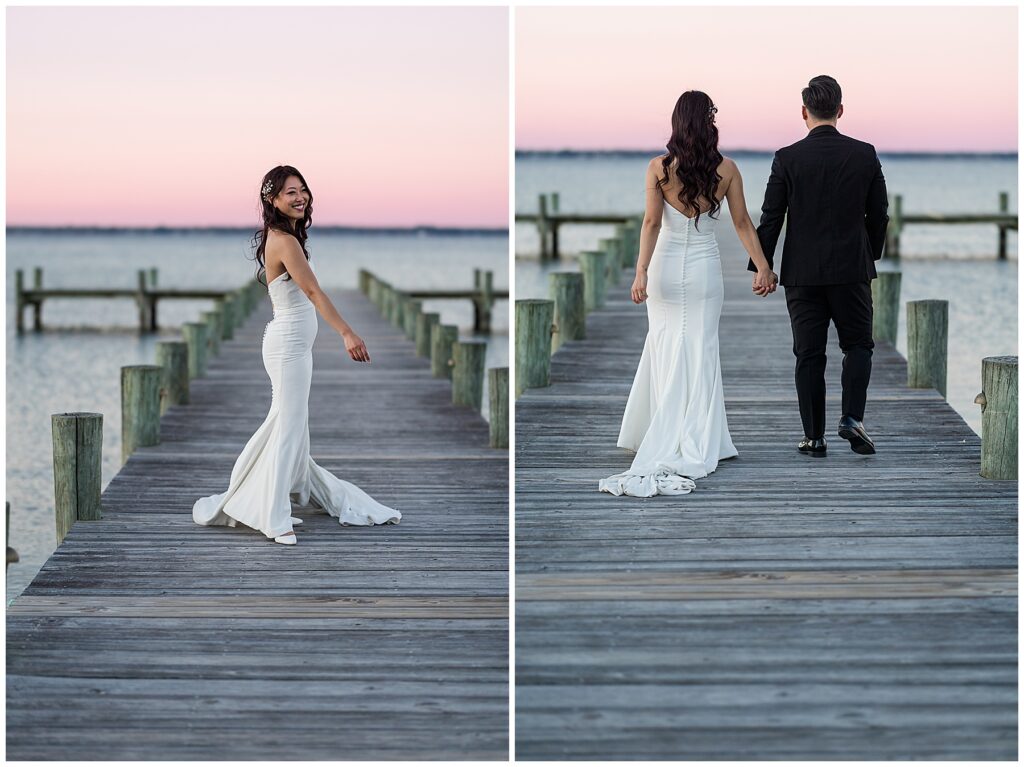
{"x":811,"y":308}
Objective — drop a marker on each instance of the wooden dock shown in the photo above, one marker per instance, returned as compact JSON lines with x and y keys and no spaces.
{"x":790,"y":608}
{"x":146,"y":636}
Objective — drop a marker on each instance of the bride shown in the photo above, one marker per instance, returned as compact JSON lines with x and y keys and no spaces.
{"x":675,"y":415}
{"x":275,"y":464}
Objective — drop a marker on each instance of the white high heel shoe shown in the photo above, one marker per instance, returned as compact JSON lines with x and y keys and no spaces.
{"x":288,"y":539}
{"x":295,"y":520}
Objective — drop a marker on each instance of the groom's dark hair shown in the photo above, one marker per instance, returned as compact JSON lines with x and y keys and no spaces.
{"x":822,"y":97}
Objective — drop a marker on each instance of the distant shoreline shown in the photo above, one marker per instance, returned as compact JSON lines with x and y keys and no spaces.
{"x":526,"y":153}
{"x":417,"y":231}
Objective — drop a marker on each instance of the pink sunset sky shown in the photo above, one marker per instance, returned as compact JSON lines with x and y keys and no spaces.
{"x":913,"y":78}
{"x":135,"y":116}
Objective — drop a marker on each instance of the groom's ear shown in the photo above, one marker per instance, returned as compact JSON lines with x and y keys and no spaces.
{"x":840,"y":112}
{"x":803,"y":112}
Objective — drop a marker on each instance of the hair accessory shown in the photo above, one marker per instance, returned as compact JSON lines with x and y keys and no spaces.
{"x":712,"y":110}
{"x":267,"y":189}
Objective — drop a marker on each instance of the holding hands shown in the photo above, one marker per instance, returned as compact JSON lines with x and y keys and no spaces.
{"x":765,"y":282}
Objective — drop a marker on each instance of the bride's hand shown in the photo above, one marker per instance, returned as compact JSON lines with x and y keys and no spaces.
{"x":765,"y":282}
{"x":639,"y":290}
{"x":356,"y":348}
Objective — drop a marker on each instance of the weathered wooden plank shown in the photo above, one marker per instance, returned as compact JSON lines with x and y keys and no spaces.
{"x":364,"y":643}
{"x":788,"y":609}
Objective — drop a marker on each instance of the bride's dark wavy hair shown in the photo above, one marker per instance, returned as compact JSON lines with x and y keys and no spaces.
{"x":693,"y":148}
{"x":272,"y":218}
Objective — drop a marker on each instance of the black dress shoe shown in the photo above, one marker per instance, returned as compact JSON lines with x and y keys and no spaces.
{"x":853,"y":430}
{"x":813,"y":447}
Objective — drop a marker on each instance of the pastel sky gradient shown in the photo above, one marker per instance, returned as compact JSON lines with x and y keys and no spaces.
{"x":145,"y":116}
{"x":913,"y":78}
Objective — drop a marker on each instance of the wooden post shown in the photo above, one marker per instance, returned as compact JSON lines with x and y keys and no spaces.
{"x":373,"y":290}
{"x":214,"y":332}
{"x":424,"y":329}
{"x":364,"y":282}
{"x":140,"y":407}
{"x":411,"y":316}
{"x":543,"y":226}
{"x":497,"y":397}
{"x":19,"y":299}
{"x":927,"y":336}
{"x":593,"y":266}
{"x":227,"y":313}
{"x":12,"y":555}
{"x":895,"y":227}
{"x":195,"y":337}
{"x":468,"y":373}
{"x":37,"y":305}
{"x":885,"y":301}
{"x":396,"y":311}
{"x":442,"y":337}
{"x":77,"y":468}
{"x":172,"y":356}
{"x":152,"y":277}
{"x":483,"y":302}
{"x":1004,"y":207}
{"x":613,"y":261}
{"x":141,"y":301}
{"x":533,"y":343}
{"x":570,"y":316}
{"x":998,"y":400}
{"x":242,"y":307}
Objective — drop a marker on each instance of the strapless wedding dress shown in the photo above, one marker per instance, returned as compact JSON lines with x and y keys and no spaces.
{"x":275,"y":466}
{"x":675,"y":415}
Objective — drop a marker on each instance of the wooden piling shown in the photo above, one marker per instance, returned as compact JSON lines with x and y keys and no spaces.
{"x":927,"y":344}
{"x":1004,"y":207}
{"x":213,"y":319}
{"x":895,"y":227}
{"x":172,"y":356}
{"x":410,"y":317}
{"x":570,"y":316}
{"x":37,"y":306}
{"x":77,"y":468}
{"x":998,"y":400}
{"x":364,"y":282}
{"x":543,"y":227}
{"x":424,"y":328}
{"x":613,"y":260}
{"x":484,"y":303}
{"x":442,"y":337}
{"x":534,"y":318}
{"x":12,"y":555}
{"x":396,"y":309}
{"x":468,"y":373}
{"x":497,"y":398}
{"x":195,"y":337}
{"x":140,"y":407}
{"x":593,"y":265}
{"x":19,"y":300}
{"x":885,"y":301}
{"x":227,"y":313}
{"x":153,"y":273}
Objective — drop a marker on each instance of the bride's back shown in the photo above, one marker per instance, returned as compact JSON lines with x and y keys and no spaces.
{"x":673,"y":187}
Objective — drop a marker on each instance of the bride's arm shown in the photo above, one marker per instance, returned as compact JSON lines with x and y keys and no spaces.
{"x":648,"y":229}
{"x":290,"y":253}
{"x":745,"y":228}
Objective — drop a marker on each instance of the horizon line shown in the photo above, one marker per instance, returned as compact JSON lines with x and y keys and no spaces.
{"x":749,"y":151}
{"x":351,"y":229}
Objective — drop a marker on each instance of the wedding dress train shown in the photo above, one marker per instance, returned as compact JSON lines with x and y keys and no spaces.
{"x":275,"y":466}
{"x":675,"y":415}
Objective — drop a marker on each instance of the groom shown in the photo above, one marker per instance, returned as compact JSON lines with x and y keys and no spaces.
{"x":831,"y":190}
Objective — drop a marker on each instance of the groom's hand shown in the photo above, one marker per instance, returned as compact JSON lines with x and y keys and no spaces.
{"x":765,"y":283}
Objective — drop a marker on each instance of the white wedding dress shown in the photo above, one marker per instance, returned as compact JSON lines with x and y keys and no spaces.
{"x":275,"y":464}
{"x":675,"y":415}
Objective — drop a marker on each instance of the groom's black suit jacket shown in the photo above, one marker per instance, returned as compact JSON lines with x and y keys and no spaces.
{"x":831,"y":189}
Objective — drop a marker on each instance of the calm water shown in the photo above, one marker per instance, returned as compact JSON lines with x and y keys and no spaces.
{"x":78,"y":366}
{"x":956,"y":263}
